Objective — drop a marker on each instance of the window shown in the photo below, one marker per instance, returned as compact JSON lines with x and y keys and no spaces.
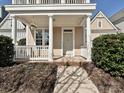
{"x":46,"y":39}
{"x":39,"y":37}
{"x":42,"y":37}
{"x":99,"y":24}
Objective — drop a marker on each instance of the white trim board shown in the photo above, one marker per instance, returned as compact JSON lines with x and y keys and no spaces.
{"x":3,"y":21}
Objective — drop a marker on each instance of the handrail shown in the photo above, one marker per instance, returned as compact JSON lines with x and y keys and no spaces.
{"x":31,"y":53}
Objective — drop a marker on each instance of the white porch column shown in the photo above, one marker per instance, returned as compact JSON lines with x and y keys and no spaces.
{"x":84,"y":35}
{"x":13,"y":1}
{"x":27,"y":34}
{"x":14,"y":28}
{"x":50,"y":38}
{"x":38,"y":1}
{"x":27,"y":1}
{"x":88,"y":27}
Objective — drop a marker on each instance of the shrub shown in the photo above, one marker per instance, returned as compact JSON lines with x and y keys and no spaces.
{"x":22,"y":42}
{"x":108,"y":53}
{"x":6,"y":51}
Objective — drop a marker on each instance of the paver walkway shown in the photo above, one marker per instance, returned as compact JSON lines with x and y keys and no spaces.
{"x":73,"y":79}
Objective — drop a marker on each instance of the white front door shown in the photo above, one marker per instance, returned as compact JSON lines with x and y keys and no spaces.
{"x":68,"y":42}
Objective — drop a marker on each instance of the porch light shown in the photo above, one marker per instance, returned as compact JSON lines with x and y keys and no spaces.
{"x":33,"y":27}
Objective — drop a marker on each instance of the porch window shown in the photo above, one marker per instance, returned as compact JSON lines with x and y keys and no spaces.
{"x":46,"y":39}
{"x":42,"y":37}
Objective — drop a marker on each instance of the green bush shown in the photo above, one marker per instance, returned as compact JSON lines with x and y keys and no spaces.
{"x":6,"y":51}
{"x":22,"y":42}
{"x":108,"y":53}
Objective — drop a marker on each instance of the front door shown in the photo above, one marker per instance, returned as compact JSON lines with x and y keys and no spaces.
{"x":68,"y":42}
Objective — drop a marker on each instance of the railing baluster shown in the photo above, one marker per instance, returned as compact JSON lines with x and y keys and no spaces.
{"x":31,"y":52}
{"x":50,"y":1}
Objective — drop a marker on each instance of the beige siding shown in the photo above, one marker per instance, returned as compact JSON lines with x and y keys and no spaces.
{"x":106,"y":28}
{"x":78,"y":40}
{"x":94,"y":35}
{"x":57,"y":35}
{"x":105,"y":24}
{"x":97,"y":34}
{"x":57,"y":41}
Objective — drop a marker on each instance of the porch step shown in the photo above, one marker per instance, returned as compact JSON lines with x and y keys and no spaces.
{"x":73,"y":79}
{"x":70,"y":59}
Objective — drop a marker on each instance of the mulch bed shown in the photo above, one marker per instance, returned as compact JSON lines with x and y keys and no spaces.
{"x":41,"y":78}
{"x":103,"y":80}
{"x":28,"y":78}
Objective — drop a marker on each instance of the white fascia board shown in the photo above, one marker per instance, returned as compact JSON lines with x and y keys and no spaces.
{"x":46,"y":14}
{"x":18,"y":8}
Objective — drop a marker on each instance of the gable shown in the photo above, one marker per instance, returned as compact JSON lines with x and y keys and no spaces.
{"x":7,"y":23}
{"x":99,"y":15}
{"x":105,"y":23}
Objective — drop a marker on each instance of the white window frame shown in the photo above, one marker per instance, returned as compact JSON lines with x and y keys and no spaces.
{"x":98,"y":23}
{"x":43,"y":36}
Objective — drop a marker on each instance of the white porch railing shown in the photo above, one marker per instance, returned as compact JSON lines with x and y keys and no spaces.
{"x":31,"y":53}
{"x":25,"y":2}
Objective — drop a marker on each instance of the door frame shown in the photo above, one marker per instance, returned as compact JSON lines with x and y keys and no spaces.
{"x":62,"y":39}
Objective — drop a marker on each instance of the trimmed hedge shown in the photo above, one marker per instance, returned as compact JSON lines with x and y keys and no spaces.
{"x":22,"y":42}
{"x":108,"y":53}
{"x":6,"y":51}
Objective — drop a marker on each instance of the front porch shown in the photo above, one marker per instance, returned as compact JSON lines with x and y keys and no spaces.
{"x":53,"y":29}
{"x":54,"y":37}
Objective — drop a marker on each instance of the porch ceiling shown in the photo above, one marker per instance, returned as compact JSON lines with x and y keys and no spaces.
{"x":42,"y":21}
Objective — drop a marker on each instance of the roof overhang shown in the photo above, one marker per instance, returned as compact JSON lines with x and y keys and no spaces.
{"x":117,"y":16}
{"x":58,"y":8}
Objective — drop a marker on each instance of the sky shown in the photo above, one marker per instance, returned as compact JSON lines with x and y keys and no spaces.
{"x":109,"y":7}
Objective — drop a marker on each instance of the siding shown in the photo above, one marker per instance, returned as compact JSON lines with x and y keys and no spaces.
{"x":57,"y":41}
{"x":20,"y":34}
{"x":105,"y":23}
{"x":78,"y":40}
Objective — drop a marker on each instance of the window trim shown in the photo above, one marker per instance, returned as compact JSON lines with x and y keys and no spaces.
{"x":99,"y":21}
{"x":43,"y":36}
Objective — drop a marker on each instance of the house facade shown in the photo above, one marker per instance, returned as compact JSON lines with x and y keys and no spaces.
{"x":101,"y":25}
{"x":118,"y":20}
{"x":5,"y":28}
{"x":54,"y":28}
